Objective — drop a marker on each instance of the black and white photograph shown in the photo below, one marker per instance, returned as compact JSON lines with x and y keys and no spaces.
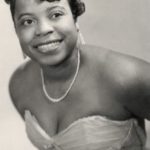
{"x":75,"y":75}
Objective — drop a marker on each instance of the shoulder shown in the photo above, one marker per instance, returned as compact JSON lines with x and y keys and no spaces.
{"x":20,"y":73}
{"x":126,"y":77}
{"x":131,"y":76}
{"x":116,"y":63}
{"x":92,"y":51}
{"x":121,"y":67}
{"x":19,"y":82}
{"x":94,"y":56}
{"x":126,"y":69}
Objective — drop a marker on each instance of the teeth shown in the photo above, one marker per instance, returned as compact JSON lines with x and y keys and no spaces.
{"x":48,"y":47}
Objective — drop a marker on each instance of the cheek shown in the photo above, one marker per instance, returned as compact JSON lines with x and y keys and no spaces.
{"x":71,"y":38}
{"x":25,"y":36}
{"x":67,"y":24}
{"x":25,"y":39}
{"x":73,"y":34}
{"x":70,"y":30}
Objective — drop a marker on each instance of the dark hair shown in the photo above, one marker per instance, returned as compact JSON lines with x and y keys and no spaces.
{"x":77,"y":7}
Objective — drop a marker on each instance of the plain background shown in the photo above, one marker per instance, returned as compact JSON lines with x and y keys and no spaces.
{"x":121,"y":25}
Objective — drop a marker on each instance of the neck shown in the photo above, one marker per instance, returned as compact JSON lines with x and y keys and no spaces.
{"x":63,"y":70}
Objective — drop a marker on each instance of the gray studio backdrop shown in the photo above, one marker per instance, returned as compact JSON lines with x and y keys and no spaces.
{"x":121,"y":25}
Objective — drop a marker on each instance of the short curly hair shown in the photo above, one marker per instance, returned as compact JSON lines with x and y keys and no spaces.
{"x":77,"y":7}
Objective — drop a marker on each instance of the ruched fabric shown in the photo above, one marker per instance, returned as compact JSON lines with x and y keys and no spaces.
{"x":90,"y":133}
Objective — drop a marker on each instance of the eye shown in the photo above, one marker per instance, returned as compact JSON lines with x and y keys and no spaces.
{"x":27,"y":22}
{"x":56,"y":15}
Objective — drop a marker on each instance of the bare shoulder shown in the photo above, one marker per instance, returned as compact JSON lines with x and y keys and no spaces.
{"x":94,"y":57}
{"x":19,"y":72}
{"x":127,"y":69}
{"x":122,"y":68}
{"x":132,"y":77}
{"x":91,"y":51}
{"x":19,"y":82}
{"x":126,"y":77}
{"x":112,"y":60}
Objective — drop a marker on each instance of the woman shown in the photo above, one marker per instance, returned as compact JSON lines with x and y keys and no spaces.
{"x":74,"y":96}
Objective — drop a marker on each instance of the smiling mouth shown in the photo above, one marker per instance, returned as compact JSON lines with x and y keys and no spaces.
{"x":48,"y":46}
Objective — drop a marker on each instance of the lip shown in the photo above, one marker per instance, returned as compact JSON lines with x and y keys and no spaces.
{"x":48,"y":46}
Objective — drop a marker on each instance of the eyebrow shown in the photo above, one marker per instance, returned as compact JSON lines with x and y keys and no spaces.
{"x":23,"y":14}
{"x":51,"y":0}
{"x":54,"y":7}
{"x":47,"y":10}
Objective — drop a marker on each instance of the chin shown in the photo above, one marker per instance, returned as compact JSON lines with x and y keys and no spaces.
{"x":50,"y":61}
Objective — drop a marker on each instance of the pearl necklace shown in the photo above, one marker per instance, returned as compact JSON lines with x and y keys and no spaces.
{"x":69,"y":88}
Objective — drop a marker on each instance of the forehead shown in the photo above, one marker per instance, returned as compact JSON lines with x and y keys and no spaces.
{"x":30,"y":5}
{"x":27,"y":2}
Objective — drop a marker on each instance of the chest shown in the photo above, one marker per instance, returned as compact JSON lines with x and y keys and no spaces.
{"x":87,"y":97}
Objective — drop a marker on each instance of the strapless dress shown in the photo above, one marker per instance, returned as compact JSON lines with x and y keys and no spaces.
{"x":89,"y":133}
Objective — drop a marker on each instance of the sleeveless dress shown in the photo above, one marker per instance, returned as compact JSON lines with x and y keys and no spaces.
{"x":90,"y":133}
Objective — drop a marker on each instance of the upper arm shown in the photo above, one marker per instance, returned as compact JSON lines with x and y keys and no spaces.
{"x":17,"y":87}
{"x":138,"y":93}
{"x":131,"y":76}
{"x":14,"y":91}
{"x":134,"y":78}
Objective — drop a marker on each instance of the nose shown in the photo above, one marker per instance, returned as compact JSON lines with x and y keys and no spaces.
{"x":43,"y":28}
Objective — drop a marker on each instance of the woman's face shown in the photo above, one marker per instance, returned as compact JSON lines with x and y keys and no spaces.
{"x":46,"y":30}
